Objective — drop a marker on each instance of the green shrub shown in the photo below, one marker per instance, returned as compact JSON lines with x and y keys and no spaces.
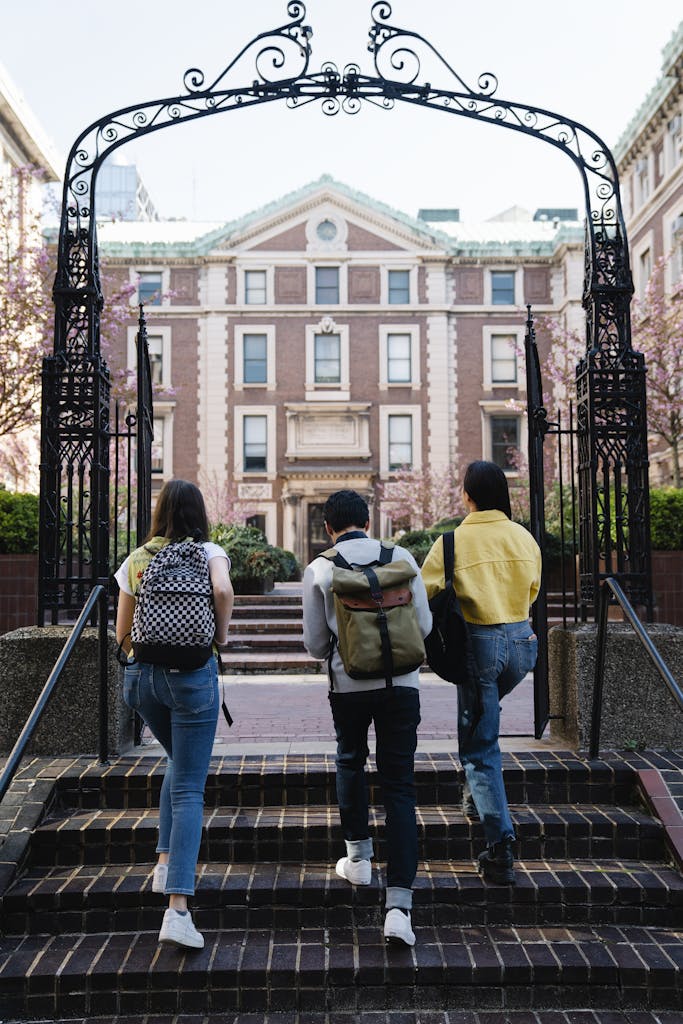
{"x":666,"y":519}
{"x":18,"y":523}
{"x":418,"y":542}
{"x":251,"y":555}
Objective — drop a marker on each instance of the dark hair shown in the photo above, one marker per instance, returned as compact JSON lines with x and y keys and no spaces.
{"x":487,"y":486}
{"x":345,"y":508}
{"x":180,"y":512}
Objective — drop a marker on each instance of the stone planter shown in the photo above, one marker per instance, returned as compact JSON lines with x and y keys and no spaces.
{"x":253,"y":584}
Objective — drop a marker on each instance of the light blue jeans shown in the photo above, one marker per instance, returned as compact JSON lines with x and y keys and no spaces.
{"x":503,"y":654}
{"x":181,"y":709}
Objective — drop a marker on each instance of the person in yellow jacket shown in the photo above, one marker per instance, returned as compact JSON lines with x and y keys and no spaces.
{"x":497,"y":576}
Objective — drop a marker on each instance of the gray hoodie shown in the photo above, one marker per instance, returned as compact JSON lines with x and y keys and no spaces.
{"x":320,"y":620}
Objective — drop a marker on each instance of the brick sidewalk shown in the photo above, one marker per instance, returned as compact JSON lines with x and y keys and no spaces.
{"x":291,"y":713}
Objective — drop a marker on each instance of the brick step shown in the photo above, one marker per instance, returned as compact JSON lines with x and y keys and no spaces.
{"x":269,"y":661}
{"x":254,"y":625}
{"x":351,"y":970}
{"x":272,"y":600}
{"x":258,"y":611}
{"x":292,"y":834}
{"x":270,"y":895}
{"x":425,"y":1016}
{"x":256,"y":642}
{"x":255,"y":780}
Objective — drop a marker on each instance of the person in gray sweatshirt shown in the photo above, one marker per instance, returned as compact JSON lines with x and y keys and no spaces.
{"x":355,"y":704}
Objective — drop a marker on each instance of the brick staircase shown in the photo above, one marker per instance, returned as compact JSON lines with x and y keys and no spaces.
{"x":587,"y":936}
{"x":266,"y":634}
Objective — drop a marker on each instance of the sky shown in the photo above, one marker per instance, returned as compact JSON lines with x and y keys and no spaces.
{"x":75,"y":62}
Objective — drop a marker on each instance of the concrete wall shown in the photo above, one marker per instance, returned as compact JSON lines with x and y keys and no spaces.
{"x":70,"y":725}
{"x":637,"y":706}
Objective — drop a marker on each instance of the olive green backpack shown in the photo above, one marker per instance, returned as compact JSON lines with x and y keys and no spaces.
{"x":378,"y":631}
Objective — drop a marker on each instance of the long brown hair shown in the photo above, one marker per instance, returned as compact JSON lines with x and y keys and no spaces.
{"x":179,"y":512}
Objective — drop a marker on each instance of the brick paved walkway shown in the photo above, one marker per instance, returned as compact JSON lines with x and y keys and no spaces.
{"x":278,"y":714}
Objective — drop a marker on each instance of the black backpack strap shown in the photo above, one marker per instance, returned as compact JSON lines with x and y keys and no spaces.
{"x":448,"y":557}
{"x":332,"y":555}
{"x":376,"y":594}
{"x":386,"y":553}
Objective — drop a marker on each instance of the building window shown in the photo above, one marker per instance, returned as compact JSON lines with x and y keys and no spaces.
{"x":255,"y":444}
{"x":643,"y":179}
{"x":255,"y":358}
{"x":158,"y":445}
{"x":644,"y":271}
{"x":502,"y":287}
{"x":398,"y":359}
{"x":258,"y":521}
{"x":400,"y":441}
{"x":155,"y":346}
{"x":149,"y":288}
{"x":677,"y":248}
{"x":399,"y":287}
{"x":503,"y":359}
{"x":504,"y":440}
{"x":675,"y":128}
{"x":327,"y":286}
{"x":255,"y":287}
{"x":327,"y":359}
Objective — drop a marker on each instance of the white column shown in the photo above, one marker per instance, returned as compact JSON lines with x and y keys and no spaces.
{"x":440,"y":370}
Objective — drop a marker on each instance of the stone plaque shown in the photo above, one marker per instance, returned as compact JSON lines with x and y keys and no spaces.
{"x":255,"y":492}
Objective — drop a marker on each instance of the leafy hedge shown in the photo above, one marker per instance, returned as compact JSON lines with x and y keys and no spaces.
{"x":18,"y":523}
{"x":251,"y":555}
{"x":666,"y":519}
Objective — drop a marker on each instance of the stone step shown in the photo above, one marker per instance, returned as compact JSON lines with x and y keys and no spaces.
{"x":254,"y":625}
{"x":346,"y":969}
{"x":292,"y":834}
{"x":273,"y":600}
{"x":271,"y":895}
{"x":285,"y":642}
{"x":266,"y":661}
{"x":254,"y":780}
{"x":260,"y":611}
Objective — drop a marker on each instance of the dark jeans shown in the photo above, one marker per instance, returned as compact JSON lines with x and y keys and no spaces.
{"x":396,"y":715}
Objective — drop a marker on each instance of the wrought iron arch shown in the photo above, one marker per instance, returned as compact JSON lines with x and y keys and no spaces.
{"x":613,"y":476}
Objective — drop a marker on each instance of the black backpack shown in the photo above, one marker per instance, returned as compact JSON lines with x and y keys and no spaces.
{"x":448,"y":647}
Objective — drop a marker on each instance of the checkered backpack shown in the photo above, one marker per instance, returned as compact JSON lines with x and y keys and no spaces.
{"x":173,"y":621}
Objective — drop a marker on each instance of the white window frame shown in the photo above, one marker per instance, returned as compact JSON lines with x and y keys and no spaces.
{"x":415,"y":355}
{"x":329,"y":392}
{"x":385,"y":411}
{"x":639,"y":250}
{"x":491,"y":410}
{"x":163,"y":412}
{"x":673,"y":270}
{"x":343,"y":283}
{"x":165,"y":333}
{"x":240,"y":331}
{"x":240,"y":411}
{"x":243,"y":269}
{"x":133,"y":275}
{"x":488,"y":333}
{"x":488,"y":286}
{"x":384,"y":285}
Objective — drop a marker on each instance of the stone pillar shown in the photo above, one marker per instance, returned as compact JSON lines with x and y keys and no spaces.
{"x":637,"y":707}
{"x":70,"y":724}
{"x":291,"y":504}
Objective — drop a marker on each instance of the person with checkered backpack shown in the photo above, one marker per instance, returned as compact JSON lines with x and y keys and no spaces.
{"x":175,"y":603}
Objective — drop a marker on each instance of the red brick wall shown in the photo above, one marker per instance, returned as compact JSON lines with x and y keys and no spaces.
{"x":184,"y":378}
{"x":293,"y":240}
{"x":469,"y":285}
{"x":667,"y":584}
{"x":184,"y":291}
{"x":18,"y":591}
{"x":290,"y":285}
{"x":536,"y":285}
{"x":364,"y":284}
{"x":358,"y":238}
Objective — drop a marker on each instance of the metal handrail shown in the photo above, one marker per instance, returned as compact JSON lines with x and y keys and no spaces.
{"x":610,"y":584}
{"x":98,"y":596}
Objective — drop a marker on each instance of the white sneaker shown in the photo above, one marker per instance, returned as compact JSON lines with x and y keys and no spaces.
{"x":159,"y":876}
{"x":178,"y":930}
{"x":357,"y":872}
{"x":397,"y":927}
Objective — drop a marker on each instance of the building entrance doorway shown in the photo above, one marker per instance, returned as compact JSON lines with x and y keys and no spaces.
{"x":317,"y":539}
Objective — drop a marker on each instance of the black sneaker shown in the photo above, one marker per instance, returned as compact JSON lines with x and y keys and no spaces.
{"x":496,"y":863}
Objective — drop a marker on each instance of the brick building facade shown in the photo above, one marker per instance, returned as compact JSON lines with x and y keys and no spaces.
{"x":326,"y":340}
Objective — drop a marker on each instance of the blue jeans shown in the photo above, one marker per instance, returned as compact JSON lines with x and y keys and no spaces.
{"x":396,"y":714}
{"x":181,"y":710}
{"x":503,"y":654}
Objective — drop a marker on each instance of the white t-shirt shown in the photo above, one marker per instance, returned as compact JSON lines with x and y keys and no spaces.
{"x":121,"y":574}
